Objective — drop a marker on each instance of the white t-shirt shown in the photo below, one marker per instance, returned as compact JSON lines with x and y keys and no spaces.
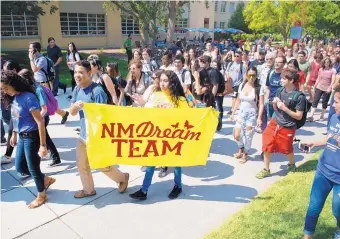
{"x":247,"y":101}
{"x":71,"y":59}
{"x":187,"y":77}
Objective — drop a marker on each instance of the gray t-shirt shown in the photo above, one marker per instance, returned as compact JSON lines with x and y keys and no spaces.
{"x":234,"y":72}
{"x":41,"y":62}
{"x":281,"y":117}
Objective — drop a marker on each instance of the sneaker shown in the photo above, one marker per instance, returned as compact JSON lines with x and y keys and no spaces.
{"x":143,"y":169}
{"x":23,"y":175}
{"x":123,"y":185}
{"x":263,"y":174}
{"x":336,"y":235}
{"x":163,"y":172}
{"x":325,"y":133}
{"x":176,"y":191}
{"x":291,"y":167}
{"x":5,"y":160}
{"x":55,"y":162}
{"x":69,"y":97}
{"x":139,"y":195}
{"x":64,"y":119}
{"x":219,"y":127}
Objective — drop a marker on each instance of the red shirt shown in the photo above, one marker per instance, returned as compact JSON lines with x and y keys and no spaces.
{"x":301,"y":80}
{"x":314,"y":71}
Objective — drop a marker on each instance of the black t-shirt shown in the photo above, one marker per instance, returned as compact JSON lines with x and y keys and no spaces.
{"x":281,"y":117}
{"x":119,"y":83}
{"x":54,"y":53}
{"x":213,"y":76}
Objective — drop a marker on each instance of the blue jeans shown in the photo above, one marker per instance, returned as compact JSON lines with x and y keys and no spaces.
{"x":219,"y":107}
{"x":149,"y":174}
{"x":320,"y":189}
{"x":331,"y":110}
{"x":27,"y":160}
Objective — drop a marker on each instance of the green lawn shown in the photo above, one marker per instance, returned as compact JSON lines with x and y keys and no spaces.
{"x":280,"y":211}
{"x":65,"y":77}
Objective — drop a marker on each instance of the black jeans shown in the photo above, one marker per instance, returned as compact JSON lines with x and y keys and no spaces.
{"x":129,"y":55}
{"x":56,"y":83}
{"x":219,"y":107}
{"x":49,"y":142}
{"x":321,"y":94}
{"x":73,"y":81}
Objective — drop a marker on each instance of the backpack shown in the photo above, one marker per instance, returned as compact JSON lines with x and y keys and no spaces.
{"x":231,"y":63}
{"x":50,"y":73}
{"x":52,"y":103}
{"x":108,"y":94}
{"x":293,"y":102}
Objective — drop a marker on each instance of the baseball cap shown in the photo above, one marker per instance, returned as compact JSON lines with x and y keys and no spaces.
{"x":205,"y":58}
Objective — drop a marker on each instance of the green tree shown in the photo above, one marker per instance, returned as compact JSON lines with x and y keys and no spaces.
{"x":145,"y":13}
{"x":33,"y":8}
{"x":276,"y":16}
{"x":237,"y":20}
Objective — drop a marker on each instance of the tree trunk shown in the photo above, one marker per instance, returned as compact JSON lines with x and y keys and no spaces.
{"x":171,"y":22}
{"x":142,"y":32}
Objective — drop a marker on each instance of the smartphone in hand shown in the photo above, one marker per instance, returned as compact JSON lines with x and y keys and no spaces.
{"x":304,"y":148}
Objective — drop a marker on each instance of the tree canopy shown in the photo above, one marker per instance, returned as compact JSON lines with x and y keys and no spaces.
{"x":279,"y":16}
{"x":33,"y":8}
{"x":237,"y":19}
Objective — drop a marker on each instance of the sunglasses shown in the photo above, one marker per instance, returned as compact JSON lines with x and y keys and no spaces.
{"x":251,"y":75}
{"x":237,"y":55}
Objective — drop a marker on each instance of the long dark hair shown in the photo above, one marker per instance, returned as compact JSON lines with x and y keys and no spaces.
{"x":27,"y":75}
{"x":257,"y":81}
{"x":175,"y":87}
{"x":74,"y":51}
{"x":114,"y":72}
{"x":17,"y":82}
{"x":12,"y":65}
{"x":295,"y":63}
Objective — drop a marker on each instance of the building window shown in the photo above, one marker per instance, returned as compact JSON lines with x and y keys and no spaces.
{"x":19,"y":25}
{"x":215,"y":24}
{"x":222,"y":24}
{"x":129,"y":26}
{"x":183,"y":22}
{"x":231,"y":7}
{"x":216,"y":6}
{"x":82,"y":24}
{"x":223,"y":6}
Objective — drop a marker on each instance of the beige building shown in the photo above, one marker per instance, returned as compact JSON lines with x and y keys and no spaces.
{"x":88,"y":26}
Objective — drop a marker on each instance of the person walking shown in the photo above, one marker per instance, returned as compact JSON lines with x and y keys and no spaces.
{"x":72,"y":58}
{"x":128,"y":48}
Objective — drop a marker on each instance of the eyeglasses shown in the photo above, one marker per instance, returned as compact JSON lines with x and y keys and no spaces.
{"x":269,"y":59}
{"x":202,"y":61}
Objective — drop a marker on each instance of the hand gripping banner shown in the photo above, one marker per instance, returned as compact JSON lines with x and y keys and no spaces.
{"x":148,"y":136}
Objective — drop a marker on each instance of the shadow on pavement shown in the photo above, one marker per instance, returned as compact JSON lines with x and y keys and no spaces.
{"x":214,"y":170}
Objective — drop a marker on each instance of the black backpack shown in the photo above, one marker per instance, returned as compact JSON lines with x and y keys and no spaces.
{"x":292,"y":104}
{"x":50,"y":73}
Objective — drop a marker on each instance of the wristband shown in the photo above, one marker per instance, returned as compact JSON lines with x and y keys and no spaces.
{"x":43,"y":145}
{"x":31,"y":59}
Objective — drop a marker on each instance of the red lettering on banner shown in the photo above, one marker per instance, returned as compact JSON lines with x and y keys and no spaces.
{"x":142,"y":129}
{"x":106,"y":128}
{"x":133,"y":148}
{"x":151,"y":144}
{"x":119,"y":145}
{"x":192,"y":135}
{"x":125,"y":131}
{"x":166,"y":146}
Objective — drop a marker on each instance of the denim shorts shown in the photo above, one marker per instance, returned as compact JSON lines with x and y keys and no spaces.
{"x":247,"y":117}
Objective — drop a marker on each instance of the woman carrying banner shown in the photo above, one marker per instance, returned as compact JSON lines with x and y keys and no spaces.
{"x":173,"y":97}
{"x":29,"y":124}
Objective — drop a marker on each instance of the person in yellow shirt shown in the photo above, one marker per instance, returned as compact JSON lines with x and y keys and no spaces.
{"x":247,"y":46}
{"x":171,"y":96}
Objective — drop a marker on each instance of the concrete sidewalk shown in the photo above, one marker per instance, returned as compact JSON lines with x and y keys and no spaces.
{"x":210,"y":195}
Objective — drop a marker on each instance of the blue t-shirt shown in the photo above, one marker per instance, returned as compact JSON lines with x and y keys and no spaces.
{"x":39,"y":91}
{"x":41,"y":62}
{"x":21,"y":109}
{"x":92,"y":94}
{"x":329,"y":162}
{"x":273,"y":82}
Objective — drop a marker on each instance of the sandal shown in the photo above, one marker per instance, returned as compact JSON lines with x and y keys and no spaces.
{"x":322,"y":118}
{"x":83,"y":194}
{"x":49,"y":182}
{"x":40,"y":200}
{"x":244,"y":159}
{"x":310,"y":119}
{"x":238,"y":155}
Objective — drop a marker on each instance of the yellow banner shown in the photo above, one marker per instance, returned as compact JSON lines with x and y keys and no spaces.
{"x":148,"y":136}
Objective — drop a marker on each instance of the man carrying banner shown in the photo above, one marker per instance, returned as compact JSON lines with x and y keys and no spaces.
{"x":90,"y":92}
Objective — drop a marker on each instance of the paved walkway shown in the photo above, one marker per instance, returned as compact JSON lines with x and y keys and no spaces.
{"x":210,"y":194}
